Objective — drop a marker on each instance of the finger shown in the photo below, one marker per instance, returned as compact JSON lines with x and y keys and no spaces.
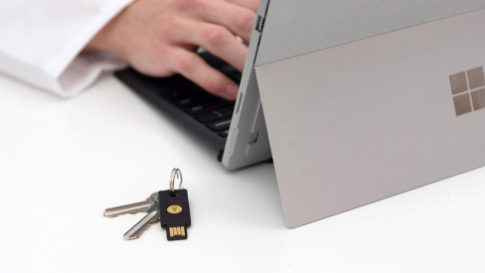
{"x":197,"y":70}
{"x":249,"y":4}
{"x":216,"y":39}
{"x":237,"y":19}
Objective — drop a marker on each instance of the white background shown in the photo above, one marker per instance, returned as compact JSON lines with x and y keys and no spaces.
{"x":62,"y":162}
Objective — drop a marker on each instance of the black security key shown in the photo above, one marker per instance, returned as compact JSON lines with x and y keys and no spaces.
{"x":174,"y":213}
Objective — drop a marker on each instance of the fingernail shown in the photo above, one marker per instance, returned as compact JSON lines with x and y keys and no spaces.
{"x":232,"y":90}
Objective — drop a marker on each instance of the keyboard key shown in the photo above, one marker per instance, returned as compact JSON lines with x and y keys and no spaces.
{"x":171,"y":95}
{"x":220,"y":125}
{"x":224,"y":133}
{"x":213,"y":115}
{"x":194,"y":99}
{"x":180,"y":92}
{"x":206,"y":107}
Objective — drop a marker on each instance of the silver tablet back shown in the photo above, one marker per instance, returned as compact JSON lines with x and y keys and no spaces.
{"x":364,"y":100}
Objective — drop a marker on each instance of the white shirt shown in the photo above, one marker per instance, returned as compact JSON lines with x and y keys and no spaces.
{"x":41,"y":41}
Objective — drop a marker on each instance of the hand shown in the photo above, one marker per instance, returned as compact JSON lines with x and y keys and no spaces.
{"x":159,"y":38}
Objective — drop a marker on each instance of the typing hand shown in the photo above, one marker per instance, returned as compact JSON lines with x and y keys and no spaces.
{"x":159,"y":38}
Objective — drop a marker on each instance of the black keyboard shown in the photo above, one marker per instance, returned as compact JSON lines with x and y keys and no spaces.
{"x":204,"y":114}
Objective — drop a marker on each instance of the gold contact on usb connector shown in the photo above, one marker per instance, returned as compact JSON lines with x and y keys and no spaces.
{"x":177,"y":231}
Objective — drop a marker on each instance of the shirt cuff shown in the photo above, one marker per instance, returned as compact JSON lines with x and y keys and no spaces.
{"x":75,"y":71}
{"x":84,"y":70}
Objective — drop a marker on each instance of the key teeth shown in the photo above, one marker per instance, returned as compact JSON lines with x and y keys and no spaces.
{"x":116,"y":215}
{"x":127,"y":238}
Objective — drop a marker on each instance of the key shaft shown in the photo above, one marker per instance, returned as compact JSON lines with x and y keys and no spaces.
{"x":130,"y":208}
{"x":142,"y":225}
{"x":150,"y":206}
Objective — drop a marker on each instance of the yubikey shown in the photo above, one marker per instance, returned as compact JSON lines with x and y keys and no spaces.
{"x":170,"y":206}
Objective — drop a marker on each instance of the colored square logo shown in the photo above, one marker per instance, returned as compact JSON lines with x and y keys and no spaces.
{"x":464,"y":88}
{"x":458,"y":83}
{"x":476,"y":77}
{"x":478,"y":98}
{"x":462,"y":104}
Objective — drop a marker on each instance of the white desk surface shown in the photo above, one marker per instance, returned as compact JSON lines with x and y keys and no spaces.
{"x":62,"y":162}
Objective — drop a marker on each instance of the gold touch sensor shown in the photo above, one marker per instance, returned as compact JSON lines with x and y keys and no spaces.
{"x":174,"y":209}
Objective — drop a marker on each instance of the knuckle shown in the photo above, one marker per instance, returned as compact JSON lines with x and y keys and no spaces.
{"x":254,"y":5}
{"x":172,"y":20}
{"x":216,"y":36}
{"x":168,"y":33}
{"x":185,"y":64}
{"x":158,"y":49}
{"x":168,"y":19}
{"x":244,"y":20}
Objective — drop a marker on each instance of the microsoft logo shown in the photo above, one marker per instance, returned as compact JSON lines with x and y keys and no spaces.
{"x":468,"y":90}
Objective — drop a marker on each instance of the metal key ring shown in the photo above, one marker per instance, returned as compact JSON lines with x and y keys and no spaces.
{"x":176,"y":173}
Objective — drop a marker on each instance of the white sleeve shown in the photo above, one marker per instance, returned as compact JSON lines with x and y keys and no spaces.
{"x":41,"y":41}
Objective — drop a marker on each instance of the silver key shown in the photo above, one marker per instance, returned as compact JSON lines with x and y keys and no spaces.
{"x":131,"y":208}
{"x":149,"y":206}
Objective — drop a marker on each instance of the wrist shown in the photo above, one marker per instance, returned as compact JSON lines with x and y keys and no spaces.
{"x":94,"y":45}
{"x":100,"y":41}
{"x":104,"y":40}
